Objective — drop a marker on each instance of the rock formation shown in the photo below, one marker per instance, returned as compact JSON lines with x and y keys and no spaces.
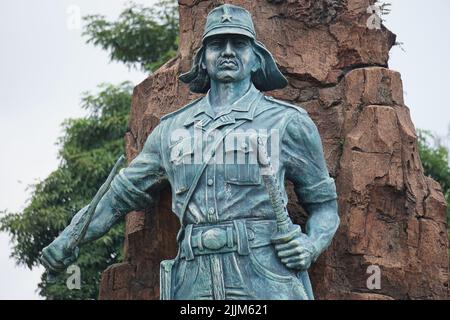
{"x":392,"y":215}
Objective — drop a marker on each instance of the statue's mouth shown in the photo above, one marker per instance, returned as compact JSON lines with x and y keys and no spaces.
{"x":228,"y":64}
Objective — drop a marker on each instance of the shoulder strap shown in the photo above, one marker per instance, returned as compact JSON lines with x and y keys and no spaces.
{"x":170,"y":114}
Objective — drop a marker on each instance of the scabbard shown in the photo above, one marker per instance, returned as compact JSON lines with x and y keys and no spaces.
{"x":165,"y":279}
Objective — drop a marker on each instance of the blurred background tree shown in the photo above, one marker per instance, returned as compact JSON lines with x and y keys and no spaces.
{"x":434,"y":153}
{"x":143,"y":38}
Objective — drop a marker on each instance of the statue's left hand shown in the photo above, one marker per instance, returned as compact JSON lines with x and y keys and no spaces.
{"x":298,"y":253}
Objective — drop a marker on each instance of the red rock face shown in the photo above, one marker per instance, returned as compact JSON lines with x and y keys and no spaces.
{"x":392,"y":215}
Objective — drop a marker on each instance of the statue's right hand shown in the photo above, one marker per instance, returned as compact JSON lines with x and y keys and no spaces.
{"x":57,"y":257}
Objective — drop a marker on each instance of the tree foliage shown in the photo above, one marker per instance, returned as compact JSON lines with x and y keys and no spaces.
{"x":88,"y":149}
{"x":142,"y":37}
{"x":435,"y":161}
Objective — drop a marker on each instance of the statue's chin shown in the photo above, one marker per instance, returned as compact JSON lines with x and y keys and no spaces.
{"x":227,"y":80}
{"x":227,"y":76}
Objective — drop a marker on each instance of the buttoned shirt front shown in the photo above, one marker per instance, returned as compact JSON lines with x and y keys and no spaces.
{"x":230,"y":187}
{"x":227,"y":189}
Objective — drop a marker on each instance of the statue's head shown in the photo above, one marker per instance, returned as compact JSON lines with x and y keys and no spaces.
{"x":230,"y":52}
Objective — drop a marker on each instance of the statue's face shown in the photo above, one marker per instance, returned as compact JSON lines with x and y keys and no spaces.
{"x":229,"y":58}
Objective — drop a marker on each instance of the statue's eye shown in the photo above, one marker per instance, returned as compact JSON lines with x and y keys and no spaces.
{"x":215,"y":43}
{"x":240,"y":43}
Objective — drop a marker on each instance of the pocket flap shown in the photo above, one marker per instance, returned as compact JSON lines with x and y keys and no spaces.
{"x":180,"y":149}
{"x":241,"y":145}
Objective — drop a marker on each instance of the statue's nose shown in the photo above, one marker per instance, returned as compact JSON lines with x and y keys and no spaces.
{"x":228,"y":51}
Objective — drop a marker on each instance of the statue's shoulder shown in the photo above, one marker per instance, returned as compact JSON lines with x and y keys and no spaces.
{"x":285,"y":105}
{"x":182,"y":110}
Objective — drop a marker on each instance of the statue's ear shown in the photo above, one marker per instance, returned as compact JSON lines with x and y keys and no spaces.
{"x":268,"y":76}
{"x":258,"y":63}
{"x":202,"y":60}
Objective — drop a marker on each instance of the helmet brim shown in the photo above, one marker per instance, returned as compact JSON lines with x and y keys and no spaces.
{"x":267,"y":78}
{"x":228,"y":29}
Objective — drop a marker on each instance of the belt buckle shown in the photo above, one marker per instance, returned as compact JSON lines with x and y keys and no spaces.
{"x":214,"y":238}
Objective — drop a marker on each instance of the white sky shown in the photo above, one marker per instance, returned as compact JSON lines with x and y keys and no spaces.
{"x":45,"y":66}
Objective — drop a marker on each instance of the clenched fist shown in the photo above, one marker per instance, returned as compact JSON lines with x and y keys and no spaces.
{"x":298,"y":253}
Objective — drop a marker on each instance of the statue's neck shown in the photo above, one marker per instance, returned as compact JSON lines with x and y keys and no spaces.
{"x":222,"y":95}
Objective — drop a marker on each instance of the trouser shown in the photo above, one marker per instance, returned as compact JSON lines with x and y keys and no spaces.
{"x":234,"y":260}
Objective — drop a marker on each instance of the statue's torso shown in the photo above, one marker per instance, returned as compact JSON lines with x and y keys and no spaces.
{"x":230,"y":191}
{"x":230,"y":186}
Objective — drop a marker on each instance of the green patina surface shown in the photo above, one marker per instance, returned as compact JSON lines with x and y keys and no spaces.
{"x":236,"y":240}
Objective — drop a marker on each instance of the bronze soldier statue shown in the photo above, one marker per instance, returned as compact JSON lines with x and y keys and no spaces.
{"x":224,"y":156}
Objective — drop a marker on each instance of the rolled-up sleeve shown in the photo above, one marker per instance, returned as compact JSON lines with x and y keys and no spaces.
{"x":304,"y":160}
{"x":135,"y":186}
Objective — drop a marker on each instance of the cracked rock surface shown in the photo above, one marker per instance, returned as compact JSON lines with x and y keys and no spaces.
{"x":391,"y":214}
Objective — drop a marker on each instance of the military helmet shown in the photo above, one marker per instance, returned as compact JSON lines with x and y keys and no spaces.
{"x":231,"y":19}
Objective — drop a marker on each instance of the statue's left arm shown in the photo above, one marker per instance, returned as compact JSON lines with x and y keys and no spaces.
{"x":305,"y":165}
{"x":135,"y":187}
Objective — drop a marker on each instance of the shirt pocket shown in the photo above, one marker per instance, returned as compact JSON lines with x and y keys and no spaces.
{"x":241,"y":166}
{"x":182,"y":161}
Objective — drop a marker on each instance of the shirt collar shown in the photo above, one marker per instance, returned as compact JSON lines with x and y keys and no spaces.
{"x":243,"y":108}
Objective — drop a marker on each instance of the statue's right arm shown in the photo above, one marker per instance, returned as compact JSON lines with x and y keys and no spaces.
{"x":135,"y":187}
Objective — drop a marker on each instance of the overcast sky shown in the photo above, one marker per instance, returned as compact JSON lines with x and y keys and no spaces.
{"x":45,"y":65}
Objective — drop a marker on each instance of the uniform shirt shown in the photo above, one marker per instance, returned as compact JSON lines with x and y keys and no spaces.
{"x":226,"y":190}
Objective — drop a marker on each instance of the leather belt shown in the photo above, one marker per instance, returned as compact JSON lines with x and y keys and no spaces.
{"x":230,"y":236}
